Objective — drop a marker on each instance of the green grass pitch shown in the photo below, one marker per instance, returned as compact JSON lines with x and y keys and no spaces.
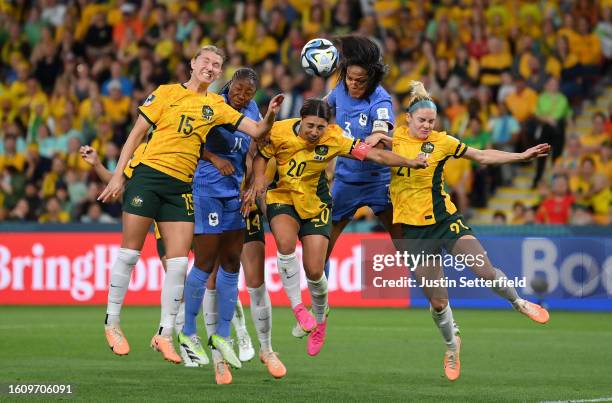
{"x":370,"y":355}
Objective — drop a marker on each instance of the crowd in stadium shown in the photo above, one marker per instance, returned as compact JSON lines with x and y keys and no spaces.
{"x":505,"y":74}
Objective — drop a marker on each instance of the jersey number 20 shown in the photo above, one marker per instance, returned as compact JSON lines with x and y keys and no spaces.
{"x":295,"y":169}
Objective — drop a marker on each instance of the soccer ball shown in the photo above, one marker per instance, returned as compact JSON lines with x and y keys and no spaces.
{"x":319,"y":57}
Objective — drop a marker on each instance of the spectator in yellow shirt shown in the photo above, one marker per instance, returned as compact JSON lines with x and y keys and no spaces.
{"x":262,"y":47}
{"x":593,"y":141}
{"x":53,"y":213}
{"x":116,"y":106}
{"x":53,"y":177}
{"x":458,"y":179}
{"x":522,"y":103}
{"x":519,"y":213}
{"x":314,"y":22}
{"x":568,"y":30}
{"x":10,"y":157}
{"x":494,"y":63}
{"x":73,"y":156}
{"x":587,"y":46}
{"x":104,"y":134}
{"x":580,"y":183}
{"x":569,"y":161}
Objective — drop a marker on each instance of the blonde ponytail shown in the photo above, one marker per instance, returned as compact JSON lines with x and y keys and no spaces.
{"x":418,"y":97}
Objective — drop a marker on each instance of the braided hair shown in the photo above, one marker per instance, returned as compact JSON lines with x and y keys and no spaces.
{"x":242,"y":73}
{"x":363,"y":52}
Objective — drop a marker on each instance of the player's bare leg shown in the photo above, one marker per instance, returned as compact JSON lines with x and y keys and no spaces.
{"x":470,"y":245}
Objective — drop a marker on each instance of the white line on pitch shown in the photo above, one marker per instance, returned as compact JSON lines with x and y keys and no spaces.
{"x":600,"y":399}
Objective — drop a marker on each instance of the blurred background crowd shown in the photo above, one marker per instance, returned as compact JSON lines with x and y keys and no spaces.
{"x":505,"y":74}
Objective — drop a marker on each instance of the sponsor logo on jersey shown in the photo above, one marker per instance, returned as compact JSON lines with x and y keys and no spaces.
{"x":136,"y":201}
{"x":363,"y":119}
{"x":213,"y":219}
{"x":207,"y":112}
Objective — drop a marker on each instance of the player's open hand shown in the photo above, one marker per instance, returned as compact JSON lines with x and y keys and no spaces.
{"x":418,"y":163}
{"x":540,"y":150}
{"x":113,"y":190}
{"x":224,"y":166}
{"x":252,"y":193}
{"x":275,"y":103}
{"x":247,"y":198}
{"x":90,"y":155}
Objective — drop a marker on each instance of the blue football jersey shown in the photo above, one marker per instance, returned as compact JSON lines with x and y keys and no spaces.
{"x":232,"y":145}
{"x":356,"y":116}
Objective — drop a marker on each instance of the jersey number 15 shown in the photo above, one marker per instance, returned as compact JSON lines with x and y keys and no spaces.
{"x":185,"y":125}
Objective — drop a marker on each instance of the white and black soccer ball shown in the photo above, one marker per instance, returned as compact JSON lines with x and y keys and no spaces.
{"x":319,"y":57}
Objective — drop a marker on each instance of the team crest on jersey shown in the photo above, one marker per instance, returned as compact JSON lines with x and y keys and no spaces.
{"x":320,"y":152}
{"x":363,"y":119}
{"x":149,"y":100}
{"x":136,"y":201}
{"x":213,"y":219}
{"x":207,"y":112}
{"x":427,"y":147}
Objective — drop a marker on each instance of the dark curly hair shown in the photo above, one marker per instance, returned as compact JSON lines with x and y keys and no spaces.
{"x":363,"y":52}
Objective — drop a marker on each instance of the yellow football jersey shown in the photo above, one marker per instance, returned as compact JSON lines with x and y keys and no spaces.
{"x":418,"y":195}
{"x":129,"y":169}
{"x":181,"y":119}
{"x":300,"y":178}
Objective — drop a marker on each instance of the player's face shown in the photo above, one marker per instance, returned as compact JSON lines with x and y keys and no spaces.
{"x":207,"y":67}
{"x":240,"y":93}
{"x":312,"y":128}
{"x":356,"y":81}
{"x":421,"y":122}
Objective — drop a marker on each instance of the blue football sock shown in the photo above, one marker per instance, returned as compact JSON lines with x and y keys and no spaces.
{"x":195,"y":286}
{"x":227,"y":293}
{"x":326,"y":269}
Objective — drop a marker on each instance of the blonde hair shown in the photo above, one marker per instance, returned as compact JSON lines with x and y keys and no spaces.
{"x":213,"y":49}
{"x":418,"y":97}
{"x":417,"y":93}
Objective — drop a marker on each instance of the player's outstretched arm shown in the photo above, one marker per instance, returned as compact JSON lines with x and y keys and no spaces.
{"x":362,"y":151}
{"x":115,"y":185}
{"x":259,"y":129}
{"x":224,"y":166}
{"x":391,"y":159}
{"x":489,"y":157}
{"x":90,"y":155}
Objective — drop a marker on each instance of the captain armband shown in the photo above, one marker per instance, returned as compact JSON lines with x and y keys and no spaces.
{"x":380,"y":126}
{"x":360,"y":150}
